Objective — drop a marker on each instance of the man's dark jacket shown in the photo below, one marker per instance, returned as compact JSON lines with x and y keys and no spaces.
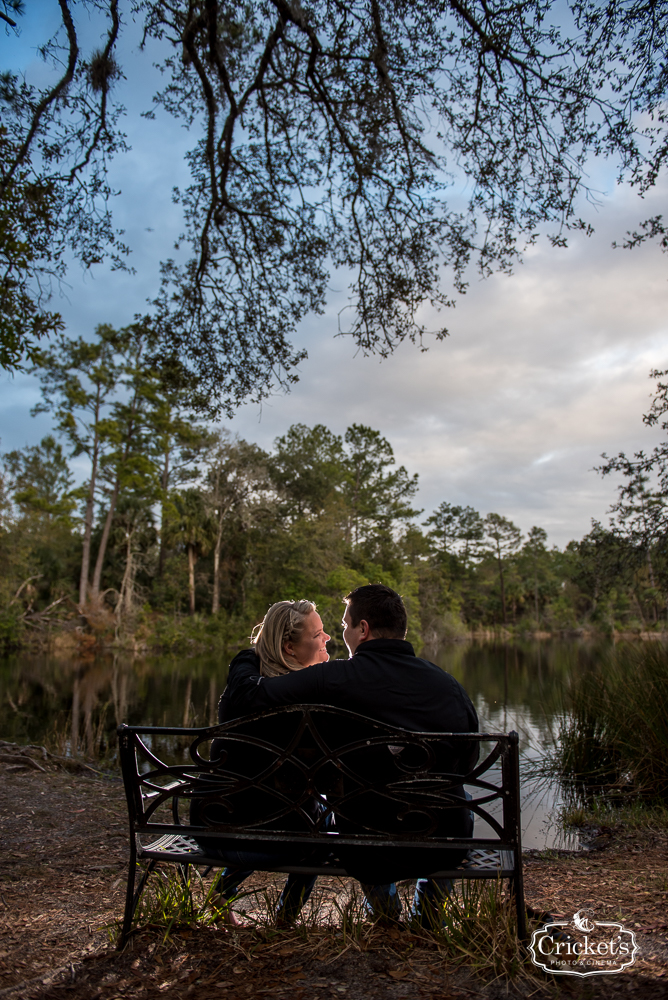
{"x":383,"y":680}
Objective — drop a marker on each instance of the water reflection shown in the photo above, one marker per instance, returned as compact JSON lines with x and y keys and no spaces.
{"x":78,"y":702}
{"x":521,"y":686}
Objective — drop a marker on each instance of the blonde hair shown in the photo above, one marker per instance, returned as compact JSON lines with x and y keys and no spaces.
{"x":283,"y":622}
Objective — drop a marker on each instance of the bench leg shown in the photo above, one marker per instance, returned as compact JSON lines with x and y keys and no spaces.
{"x":132,"y":897}
{"x":517,"y":890}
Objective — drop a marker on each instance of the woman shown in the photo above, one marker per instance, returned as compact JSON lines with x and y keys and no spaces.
{"x":291,"y":637}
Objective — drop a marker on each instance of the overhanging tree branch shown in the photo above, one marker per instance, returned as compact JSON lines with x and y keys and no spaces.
{"x":325,"y":133}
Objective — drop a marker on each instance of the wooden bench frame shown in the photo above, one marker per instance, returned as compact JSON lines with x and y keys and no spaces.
{"x":150,"y":784}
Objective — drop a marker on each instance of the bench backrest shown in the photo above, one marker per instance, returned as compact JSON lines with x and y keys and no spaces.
{"x":303,"y":773}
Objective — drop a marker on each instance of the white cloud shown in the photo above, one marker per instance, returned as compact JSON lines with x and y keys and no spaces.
{"x":542,"y":372}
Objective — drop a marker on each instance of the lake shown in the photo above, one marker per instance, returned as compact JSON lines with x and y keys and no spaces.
{"x":81,"y":700}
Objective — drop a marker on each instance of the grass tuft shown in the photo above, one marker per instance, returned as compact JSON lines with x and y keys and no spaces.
{"x":478,"y":925}
{"x":613,"y":739}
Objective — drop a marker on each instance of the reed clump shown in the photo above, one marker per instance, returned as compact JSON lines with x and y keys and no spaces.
{"x":478,"y":927}
{"x":613,"y":737}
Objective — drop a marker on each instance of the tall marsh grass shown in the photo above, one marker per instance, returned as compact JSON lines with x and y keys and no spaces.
{"x":613,"y":736}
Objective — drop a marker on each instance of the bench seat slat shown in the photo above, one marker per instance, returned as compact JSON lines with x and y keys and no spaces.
{"x":333,"y":838}
{"x":180,"y":849}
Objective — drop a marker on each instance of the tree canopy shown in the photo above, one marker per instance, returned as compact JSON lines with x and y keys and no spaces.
{"x":325,"y":136}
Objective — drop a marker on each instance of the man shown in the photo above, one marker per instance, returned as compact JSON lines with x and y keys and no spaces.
{"x":382,"y":679}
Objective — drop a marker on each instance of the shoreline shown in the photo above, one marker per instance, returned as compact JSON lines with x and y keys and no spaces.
{"x":78,"y":640}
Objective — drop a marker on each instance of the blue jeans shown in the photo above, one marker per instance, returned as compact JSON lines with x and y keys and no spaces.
{"x":430,"y":894}
{"x":240,"y":864}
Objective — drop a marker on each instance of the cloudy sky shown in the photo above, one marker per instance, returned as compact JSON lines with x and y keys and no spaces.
{"x":542,"y":371}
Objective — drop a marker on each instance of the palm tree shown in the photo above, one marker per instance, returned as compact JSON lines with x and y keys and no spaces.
{"x":193,"y":527}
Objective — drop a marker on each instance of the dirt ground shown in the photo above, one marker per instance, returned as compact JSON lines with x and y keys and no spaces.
{"x":63,"y":843}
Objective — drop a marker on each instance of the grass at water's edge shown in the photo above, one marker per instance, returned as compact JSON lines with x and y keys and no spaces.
{"x":611,"y":751}
{"x":600,"y":812}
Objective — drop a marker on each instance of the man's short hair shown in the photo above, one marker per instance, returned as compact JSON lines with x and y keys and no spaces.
{"x":381,"y":607}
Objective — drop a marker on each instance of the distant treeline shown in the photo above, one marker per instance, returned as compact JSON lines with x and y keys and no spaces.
{"x":180,"y":531}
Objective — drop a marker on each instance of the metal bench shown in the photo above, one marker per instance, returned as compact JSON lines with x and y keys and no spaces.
{"x":373,"y":785}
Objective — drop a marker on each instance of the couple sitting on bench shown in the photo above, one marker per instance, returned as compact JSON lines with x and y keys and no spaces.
{"x":384,"y":680}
